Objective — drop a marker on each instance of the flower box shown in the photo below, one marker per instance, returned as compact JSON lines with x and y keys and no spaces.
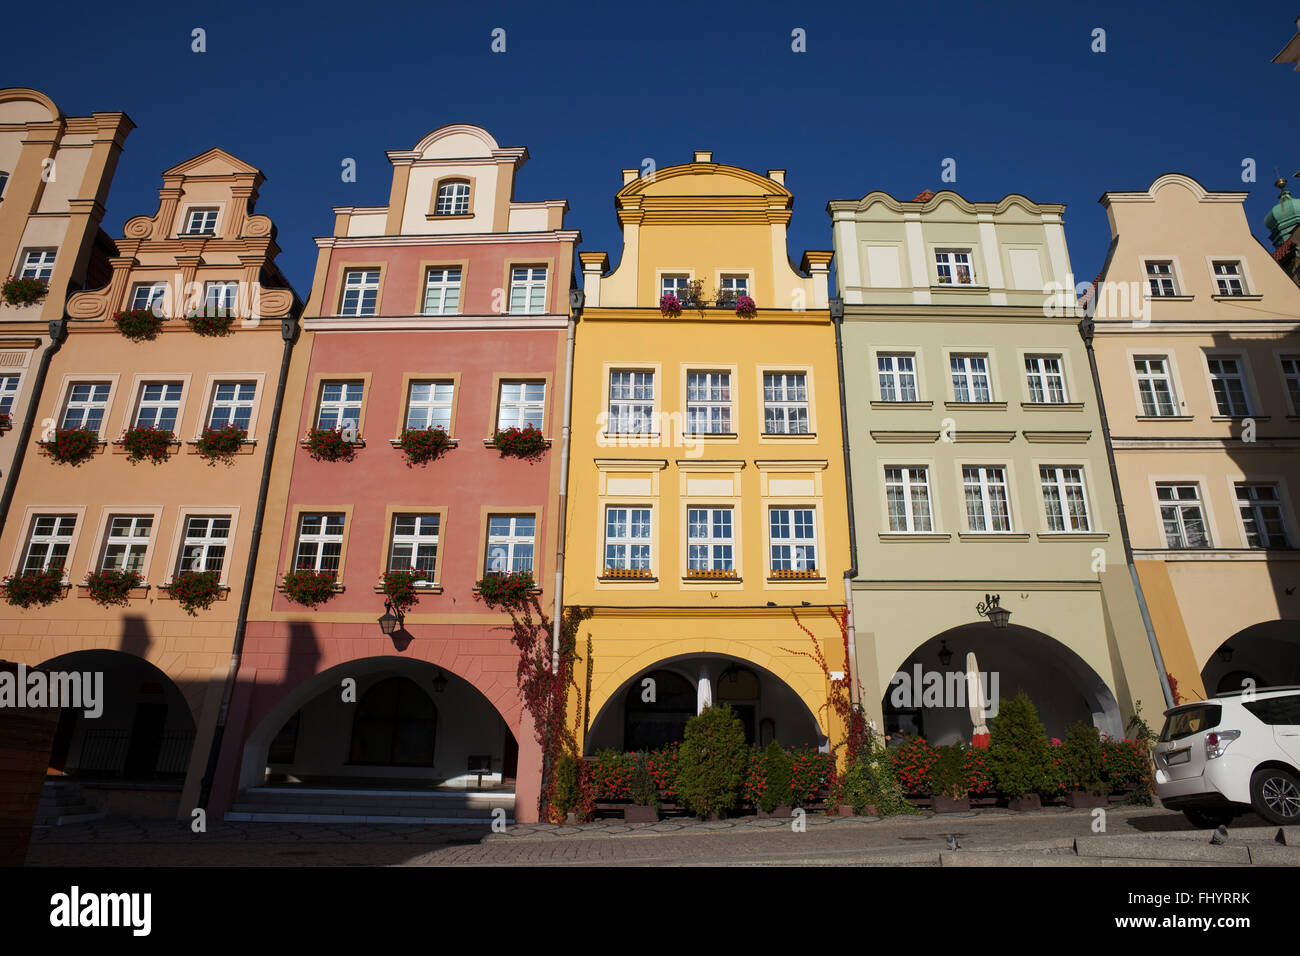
{"x":790,"y":574}
{"x":422,"y":445}
{"x":138,"y":325}
{"x":34,"y":587}
{"x":670,"y":306}
{"x":328,"y":444}
{"x":779,"y":812}
{"x":527,"y":443}
{"x":1030,"y":801}
{"x":399,"y":587}
{"x":220,"y":444}
{"x":711,"y":573}
{"x":632,"y":813}
{"x":745,"y":307}
{"x":112,"y":587}
{"x":71,"y":446}
{"x":210,"y":325}
{"x":152,"y":444}
{"x":505,"y":590}
{"x":629,"y":574}
{"x":6,"y":422}
{"x":20,"y":292}
{"x":1086,"y":799}
{"x":941,"y":804}
{"x":307,"y":587}
{"x":196,"y":590}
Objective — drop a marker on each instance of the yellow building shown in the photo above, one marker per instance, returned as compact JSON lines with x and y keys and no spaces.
{"x":706,"y":493}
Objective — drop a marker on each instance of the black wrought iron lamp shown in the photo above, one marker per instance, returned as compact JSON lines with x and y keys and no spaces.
{"x":991,"y":608}
{"x":945,"y":653}
{"x":392,"y":619}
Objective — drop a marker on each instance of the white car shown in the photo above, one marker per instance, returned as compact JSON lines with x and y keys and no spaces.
{"x":1220,"y":758}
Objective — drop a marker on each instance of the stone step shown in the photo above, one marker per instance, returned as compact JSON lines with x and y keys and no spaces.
{"x":293,"y":817}
{"x":1159,"y":847}
{"x":326,"y":805}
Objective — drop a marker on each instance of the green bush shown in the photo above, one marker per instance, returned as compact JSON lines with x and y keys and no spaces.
{"x":1019,"y":754}
{"x":870,"y":780}
{"x":567,"y":787}
{"x":1081,"y":757}
{"x":776,"y":766}
{"x":641,"y":787}
{"x":948,"y":775}
{"x":712,"y":762}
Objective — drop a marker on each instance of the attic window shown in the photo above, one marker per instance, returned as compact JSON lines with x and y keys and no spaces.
{"x":202,"y":222}
{"x":453,"y":199}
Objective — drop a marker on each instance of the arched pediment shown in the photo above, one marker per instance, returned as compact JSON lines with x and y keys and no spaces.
{"x":456,"y":141}
{"x":702,"y":179}
{"x":21,"y":105}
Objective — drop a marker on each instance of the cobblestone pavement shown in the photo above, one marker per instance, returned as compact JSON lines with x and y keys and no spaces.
{"x":912,"y":840}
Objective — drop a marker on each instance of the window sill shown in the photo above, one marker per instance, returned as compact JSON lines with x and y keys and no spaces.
{"x":248,"y":446}
{"x":993,"y":535}
{"x":707,"y":436}
{"x":173,"y":448}
{"x":918,"y":405}
{"x":796,"y":580}
{"x":100,"y":447}
{"x":958,"y":287}
{"x":359,"y":443}
{"x":491,"y":442}
{"x":1052,"y":406}
{"x":914,"y":536}
{"x":448,"y":215}
{"x":1073,"y":535}
{"x":1237,"y":298}
{"x":337,"y":589}
{"x":428,"y":589}
{"x":1239,"y":418}
{"x":705,"y":579}
{"x":606,"y":579}
{"x":1168,"y":298}
{"x":796,"y":436}
{"x":1165,"y":418}
{"x":636,"y":435}
{"x":141,"y":591}
{"x":397,"y":442}
{"x":976,"y":406}
{"x":475,"y":590}
{"x":165,"y":592}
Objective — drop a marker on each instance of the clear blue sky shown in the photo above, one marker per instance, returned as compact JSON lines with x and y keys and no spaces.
{"x":883,"y":94}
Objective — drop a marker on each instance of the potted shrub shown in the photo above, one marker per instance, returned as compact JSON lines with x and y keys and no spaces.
{"x":670,"y":306}
{"x":526,"y":442}
{"x":745,"y":307}
{"x":6,"y":421}
{"x":20,"y":292}
{"x":711,"y":762}
{"x":71,"y":446}
{"x":211,"y":324}
{"x":775,"y":796}
{"x":195,"y":590}
{"x":1081,"y":755}
{"x":422,"y":445}
{"x":308,"y":587}
{"x":34,"y":587}
{"x":506,"y":590}
{"x":662,"y":764}
{"x":642,"y":792}
{"x":812,"y":776}
{"x":328,"y":444}
{"x":112,"y":587}
{"x":949,"y":782}
{"x":911,"y":761}
{"x":565,"y":791}
{"x":1019,"y":754}
{"x":151,"y":444}
{"x":220,"y":444}
{"x":611,"y":774}
{"x":399,"y":587}
{"x":138,"y":325}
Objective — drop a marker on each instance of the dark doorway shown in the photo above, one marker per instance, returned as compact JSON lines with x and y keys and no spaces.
{"x":146,"y":740}
{"x":651,"y":724}
{"x":395,"y":726}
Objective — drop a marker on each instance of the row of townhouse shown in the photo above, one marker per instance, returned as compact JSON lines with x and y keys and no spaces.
{"x":755,"y":488}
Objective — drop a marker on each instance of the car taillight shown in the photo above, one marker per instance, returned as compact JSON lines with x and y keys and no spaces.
{"x":1217,"y":742}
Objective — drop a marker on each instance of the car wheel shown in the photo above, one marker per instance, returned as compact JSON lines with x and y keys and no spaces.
{"x":1275,"y":795}
{"x":1208,"y":819}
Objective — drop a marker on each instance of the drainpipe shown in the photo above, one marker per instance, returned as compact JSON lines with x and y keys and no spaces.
{"x":1087,"y":328}
{"x":58,"y":335}
{"x":837,"y":317}
{"x":289,"y":333}
{"x":577,"y":298}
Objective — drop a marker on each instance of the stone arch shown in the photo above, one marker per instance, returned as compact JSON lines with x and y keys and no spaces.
{"x":1267,"y":653}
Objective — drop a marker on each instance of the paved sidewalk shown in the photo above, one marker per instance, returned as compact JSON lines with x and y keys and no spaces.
{"x":986,"y":836}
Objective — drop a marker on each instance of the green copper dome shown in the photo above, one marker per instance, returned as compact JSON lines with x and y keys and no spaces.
{"x":1283,"y":218}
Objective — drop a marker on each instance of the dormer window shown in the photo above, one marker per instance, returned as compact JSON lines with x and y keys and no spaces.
{"x":202,"y":222}
{"x":453,"y":199}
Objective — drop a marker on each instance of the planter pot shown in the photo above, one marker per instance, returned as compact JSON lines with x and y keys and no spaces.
{"x":634,"y":813}
{"x":571,"y":819}
{"x":1086,"y":799}
{"x":844,"y":810}
{"x":1028,"y":802}
{"x":942,"y":804}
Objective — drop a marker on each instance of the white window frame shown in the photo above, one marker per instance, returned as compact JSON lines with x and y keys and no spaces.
{"x":634,"y":517}
{"x":950,"y":262}
{"x":432,"y":410}
{"x":49,"y":542}
{"x":1291,"y":379}
{"x":442,"y":285}
{"x":967,"y":378}
{"x":799,"y":546}
{"x":339,"y":407}
{"x":133,"y":545}
{"x":528,"y":289}
{"x":158,"y":405}
{"x":1257,"y":505}
{"x":1061,"y":479}
{"x":1224,"y":279}
{"x":780,"y":391}
{"x":360,"y":292}
{"x":10,"y":389}
{"x":1225,"y":378}
{"x":38,"y":263}
{"x":452,"y":198}
{"x":86,"y":405}
{"x":516,"y":410}
{"x":892,"y":378}
{"x":216,"y":403}
{"x":420,"y":537}
{"x":510,"y":541}
{"x":221,"y":297}
{"x":149,"y":295}
{"x":712,"y":382}
{"x":986,"y":481}
{"x":630,"y":407}
{"x":319,"y":541}
{"x":677,"y":283}
{"x":207,"y":218}
{"x":710,"y":540}
{"x":1047,"y":382}
{"x":909,"y":480}
{"x":206,"y":543}
{"x":1172,"y":504}
{"x":1152,"y":379}
{"x":1164,"y":277}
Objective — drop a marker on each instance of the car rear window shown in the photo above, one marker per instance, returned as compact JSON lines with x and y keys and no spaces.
{"x":1276,"y":710}
{"x":1193,"y":720}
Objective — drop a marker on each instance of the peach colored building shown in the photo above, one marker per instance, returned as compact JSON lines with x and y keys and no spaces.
{"x":55,"y":171}
{"x":1198,"y":351}
{"x":164,"y":668}
{"x":444,"y":309}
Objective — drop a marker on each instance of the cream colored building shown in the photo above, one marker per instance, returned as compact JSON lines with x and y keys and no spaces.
{"x":978,"y":468}
{"x":1198,"y":346}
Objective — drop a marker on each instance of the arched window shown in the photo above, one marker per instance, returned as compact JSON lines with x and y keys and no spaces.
{"x":394,"y":726}
{"x":650,"y":724}
{"x":453,"y":198}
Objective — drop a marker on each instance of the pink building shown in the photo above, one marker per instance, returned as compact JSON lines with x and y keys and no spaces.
{"x":445,"y":309}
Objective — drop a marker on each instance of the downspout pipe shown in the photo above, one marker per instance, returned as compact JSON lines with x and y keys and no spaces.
{"x":58,"y":335}
{"x":289,"y":334}
{"x":577,"y":299}
{"x":1087,"y":328}
{"x":837,"y":318}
